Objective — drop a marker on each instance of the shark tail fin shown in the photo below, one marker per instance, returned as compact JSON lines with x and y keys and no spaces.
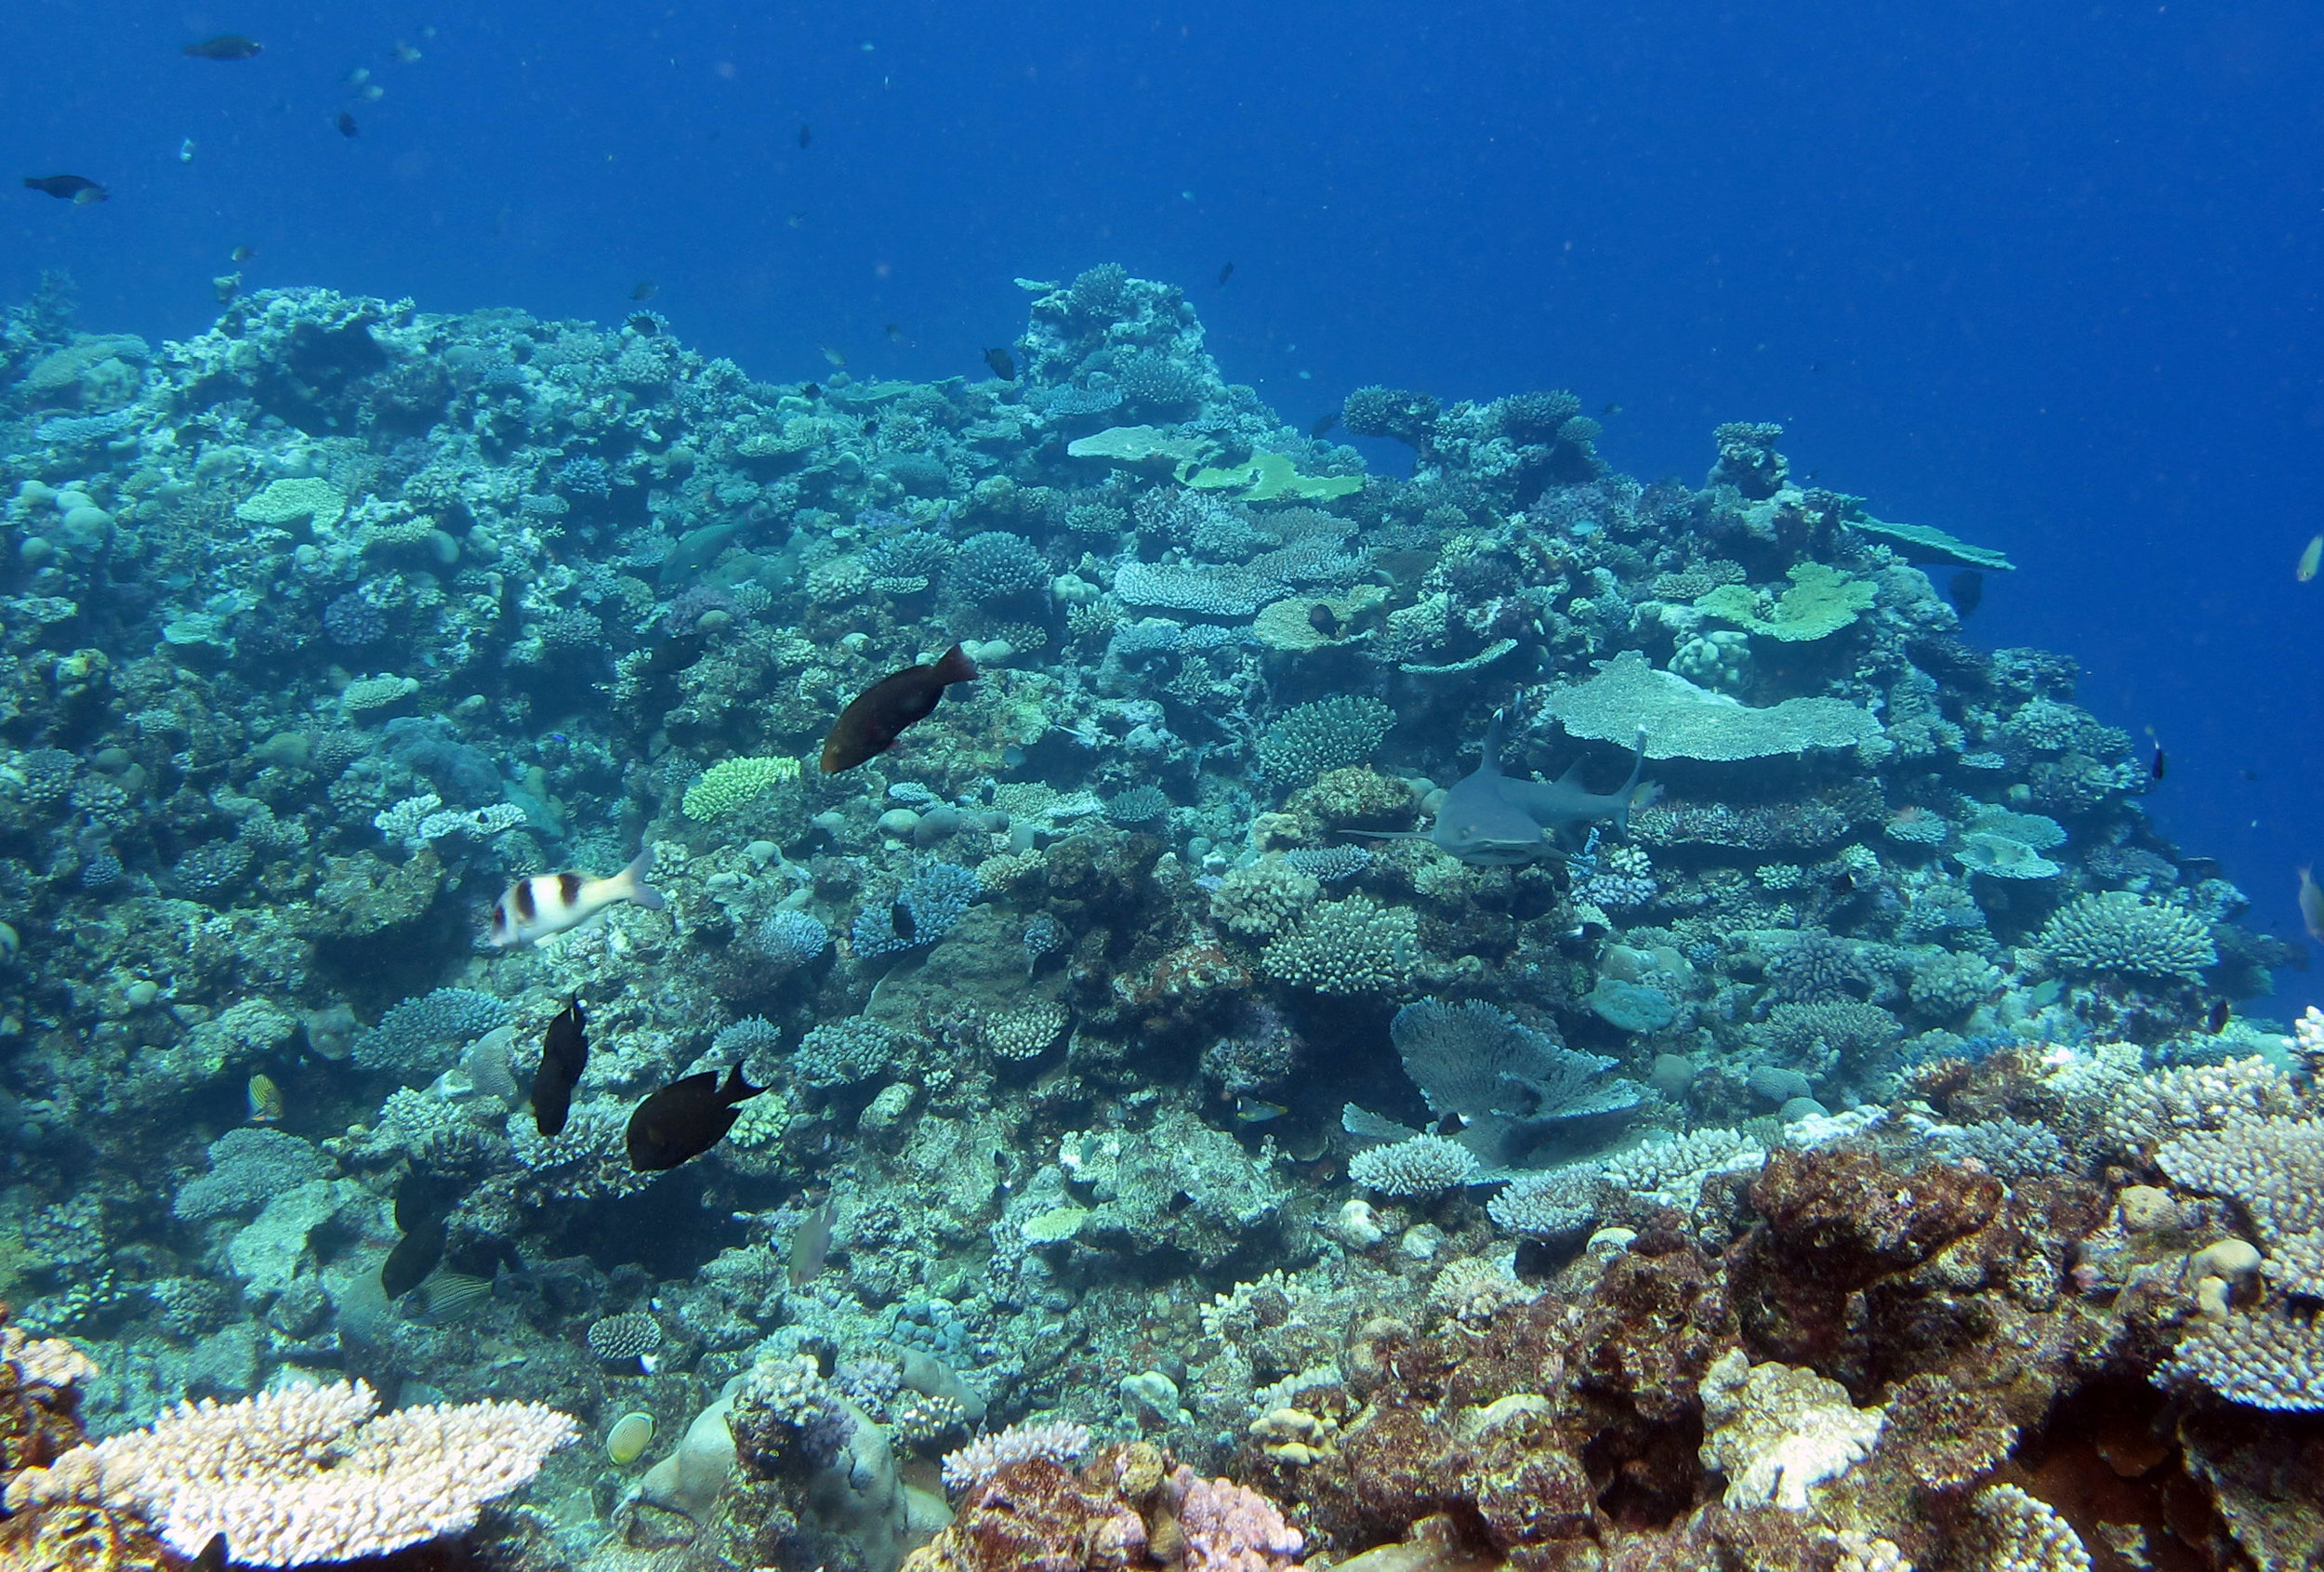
{"x":1493,"y":736}
{"x":1630,"y":794}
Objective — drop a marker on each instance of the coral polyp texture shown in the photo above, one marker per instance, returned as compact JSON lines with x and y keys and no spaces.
{"x":1180,"y":1105}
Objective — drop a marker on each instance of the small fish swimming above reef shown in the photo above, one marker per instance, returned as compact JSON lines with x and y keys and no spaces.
{"x":2312,"y":904}
{"x":564,"y":1054}
{"x":685,"y":1119}
{"x":1968,"y":590}
{"x":552,"y":903}
{"x":1225,"y":272}
{"x":346,"y":123}
{"x":810,"y":1246}
{"x":645,"y":290}
{"x":1321,"y":424}
{"x":265,"y":1100}
{"x":225,"y":46}
{"x":877,"y":717}
{"x":1004,"y":366}
{"x":77,"y":189}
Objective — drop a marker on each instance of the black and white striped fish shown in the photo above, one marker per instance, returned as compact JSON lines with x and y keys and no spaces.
{"x":552,"y":903}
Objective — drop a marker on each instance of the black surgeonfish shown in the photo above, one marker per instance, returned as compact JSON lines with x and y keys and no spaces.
{"x":564,"y":1054}
{"x":685,"y":1119}
{"x":346,"y":123}
{"x":225,"y":46}
{"x":1004,"y":364}
{"x":877,"y":716}
{"x":1968,"y":589}
{"x":68,"y":187}
{"x":423,"y":1207}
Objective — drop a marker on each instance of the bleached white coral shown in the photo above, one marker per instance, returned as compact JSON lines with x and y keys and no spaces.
{"x":1778,"y":1430}
{"x":306,"y":1474}
{"x":2025,"y":1535}
{"x":1062,"y":1441}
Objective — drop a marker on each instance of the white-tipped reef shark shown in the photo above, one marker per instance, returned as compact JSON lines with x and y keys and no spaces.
{"x":1491,"y":820}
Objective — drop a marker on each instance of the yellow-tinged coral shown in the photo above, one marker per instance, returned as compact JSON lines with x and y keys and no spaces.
{"x":1821,"y":602}
{"x":729,"y":783}
{"x":1290,"y":625}
{"x":294,"y":497}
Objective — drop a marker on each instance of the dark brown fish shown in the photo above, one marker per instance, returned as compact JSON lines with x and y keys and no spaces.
{"x":1224,"y":274}
{"x":871,"y":723}
{"x":415,"y":1255}
{"x":2157,"y":767}
{"x":1324,"y":620}
{"x":1004,"y":366}
{"x":69,"y":187}
{"x":423,"y":1205}
{"x":1968,"y":590}
{"x":1321,"y":424}
{"x":2216,"y":1022}
{"x":564,"y":1054}
{"x":225,"y":46}
{"x":900,"y":917}
{"x":685,"y":1119}
{"x":346,"y":123}
{"x":646,"y":290}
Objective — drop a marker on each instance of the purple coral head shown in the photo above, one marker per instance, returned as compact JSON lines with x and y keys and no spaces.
{"x":691,"y":604}
{"x":1229,"y":1528}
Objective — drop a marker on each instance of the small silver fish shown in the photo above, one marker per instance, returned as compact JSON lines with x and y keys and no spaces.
{"x":552,"y":903}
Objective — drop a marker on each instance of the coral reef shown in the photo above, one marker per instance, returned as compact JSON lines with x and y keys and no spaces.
{"x":1863,"y":1147}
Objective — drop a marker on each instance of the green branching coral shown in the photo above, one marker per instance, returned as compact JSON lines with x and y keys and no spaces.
{"x":2117,"y":932}
{"x":729,"y":783}
{"x":294,"y":497}
{"x":1327,"y":735}
{"x":1351,"y":946}
{"x":1821,"y":602}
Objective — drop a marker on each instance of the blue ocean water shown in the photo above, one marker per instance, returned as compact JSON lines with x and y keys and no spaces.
{"x":1147,"y":1079}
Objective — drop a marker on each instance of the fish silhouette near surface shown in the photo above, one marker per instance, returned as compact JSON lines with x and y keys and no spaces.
{"x":534,"y":908}
{"x":77,"y":189}
{"x":225,"y":46}
{"x":686,"y":1118}
{"x":1491,"y":820}
{"x":564,"y":1054}
{"x":877,"y":717}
